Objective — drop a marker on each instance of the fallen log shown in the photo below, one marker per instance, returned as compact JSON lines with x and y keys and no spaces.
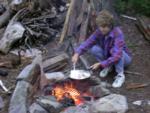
{"x":143,"y":24}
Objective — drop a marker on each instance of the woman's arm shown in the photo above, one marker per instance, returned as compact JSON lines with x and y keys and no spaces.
{"x":88,"y":43}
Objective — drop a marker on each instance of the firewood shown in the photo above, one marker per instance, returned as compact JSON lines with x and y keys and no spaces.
{"x":55,"y":61}
{"x":144,"y":27}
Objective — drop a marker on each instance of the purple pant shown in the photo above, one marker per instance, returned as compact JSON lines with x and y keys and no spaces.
{"x":124,"y":61}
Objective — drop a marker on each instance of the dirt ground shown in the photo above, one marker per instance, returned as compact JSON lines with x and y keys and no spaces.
{"x":140,"y":49}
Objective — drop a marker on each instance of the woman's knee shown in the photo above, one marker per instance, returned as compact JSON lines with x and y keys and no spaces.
{"x":96,"y":49}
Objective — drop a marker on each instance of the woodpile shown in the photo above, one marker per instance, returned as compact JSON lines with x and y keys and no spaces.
{"x":33,"y":23}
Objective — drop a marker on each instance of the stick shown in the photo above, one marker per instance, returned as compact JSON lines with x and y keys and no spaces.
{"x":132,"y":18}
{"x":134,"y":73}
{"x":136,"y":85}
{"x":2,"y":85}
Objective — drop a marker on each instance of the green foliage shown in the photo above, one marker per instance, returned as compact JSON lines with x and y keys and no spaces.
{"x":137,"y":6}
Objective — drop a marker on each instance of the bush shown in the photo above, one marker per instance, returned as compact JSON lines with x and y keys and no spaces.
{"x":137,"y":6}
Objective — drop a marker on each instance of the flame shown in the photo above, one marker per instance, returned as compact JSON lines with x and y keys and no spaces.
{"x":68,"y":90}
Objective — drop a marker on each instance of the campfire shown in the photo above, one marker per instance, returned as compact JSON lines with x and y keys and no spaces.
{"x":68,"y":92}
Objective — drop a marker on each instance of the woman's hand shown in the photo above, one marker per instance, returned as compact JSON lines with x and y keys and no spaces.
{"x":95,"y":66}
{"x":75,"y":58}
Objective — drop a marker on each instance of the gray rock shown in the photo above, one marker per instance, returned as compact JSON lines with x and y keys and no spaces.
{"x":55,"y":76}
{"x":1,"y":103}
{"x":30,"y":73}
{"x":18,"y":101}
{"x":50,"y":104}
{"x":111,"y":103}
{"x":13,"y":32}
{"x":76,"y":109}
{"x":99,"y":91}
{"x":142,"y":102}
{"x":36,"y":108}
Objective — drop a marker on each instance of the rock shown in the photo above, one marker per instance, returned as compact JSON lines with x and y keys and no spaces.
{"x":1,"y":103}
{"x":3,"y":72}
{"x":112,"y":103}
{"x":142,"y":103}
{"x":55,"y":76}
{"x":138,"y":102}
{"x":99,"y":91}
{"x":13,"y":33}
{"x":36,"y":108}
{"x":27,"y":53}
{"x":32,"y":71}
{"x":2,"y":9}
{"x":50,"y":104}
{"x":18,"y":102}
{"x":76,"y":109}
{"x":61,"y":8}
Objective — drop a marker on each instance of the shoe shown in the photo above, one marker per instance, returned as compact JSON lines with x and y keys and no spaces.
{"x":105,"y":72}
{"x":119,"y":80}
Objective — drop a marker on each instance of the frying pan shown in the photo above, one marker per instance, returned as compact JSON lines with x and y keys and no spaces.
{"x":79,"y":74}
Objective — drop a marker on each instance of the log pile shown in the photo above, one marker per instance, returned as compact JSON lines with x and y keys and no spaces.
{"x":144,"y":26}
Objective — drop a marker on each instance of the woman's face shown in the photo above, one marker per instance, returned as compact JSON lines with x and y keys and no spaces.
{"x":104,"y":29}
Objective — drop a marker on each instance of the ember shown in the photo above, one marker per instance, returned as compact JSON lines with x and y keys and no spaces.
{"x":69,"y":91}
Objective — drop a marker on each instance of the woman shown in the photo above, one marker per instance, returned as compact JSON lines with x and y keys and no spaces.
{"x":108,"y":46}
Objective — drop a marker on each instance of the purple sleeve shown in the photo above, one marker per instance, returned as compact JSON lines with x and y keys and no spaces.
{"x":87,"y":44}
{"x":116,"y":50}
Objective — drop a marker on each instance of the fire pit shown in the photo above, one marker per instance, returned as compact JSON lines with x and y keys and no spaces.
{"x":70,"y":91}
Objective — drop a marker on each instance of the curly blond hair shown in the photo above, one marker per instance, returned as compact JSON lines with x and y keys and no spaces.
{"x":104,"y":18}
